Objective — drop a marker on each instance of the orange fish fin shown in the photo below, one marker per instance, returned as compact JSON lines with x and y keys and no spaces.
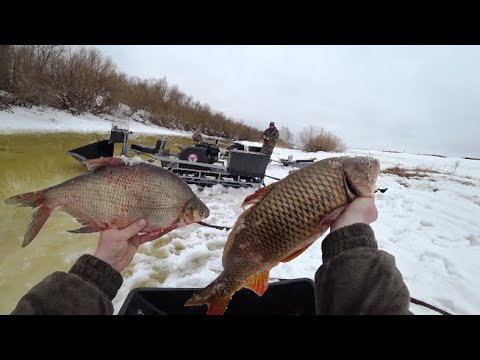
{"x":257,"y":195}
{"x":38,"y":220}
{"x":218,"y":306}
{"x":258,"y":282}
{"x":91,"y":228}
{"x":102,"y":162}
{"x":214,"y":296}
{"x":236,"y":229}
{"x":295,"y":254}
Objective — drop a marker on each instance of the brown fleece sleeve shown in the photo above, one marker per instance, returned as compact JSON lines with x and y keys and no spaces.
{"x":87,"y":289}
{"x":357,"y":278}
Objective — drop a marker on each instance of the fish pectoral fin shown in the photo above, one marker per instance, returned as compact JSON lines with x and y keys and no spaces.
{"x":91,"y":228}
{"x":153,"y":235}
{"x":257,"y":195}
{"x":102,"y":162}
{"x":258,"y":282}
{"x":295,"y":254}
{"x":330,"y":217}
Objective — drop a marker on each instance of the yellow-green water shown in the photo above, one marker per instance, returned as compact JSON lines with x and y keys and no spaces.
{"x":30,"y":162}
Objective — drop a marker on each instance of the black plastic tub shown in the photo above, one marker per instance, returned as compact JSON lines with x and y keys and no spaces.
{"x":286,"y":297}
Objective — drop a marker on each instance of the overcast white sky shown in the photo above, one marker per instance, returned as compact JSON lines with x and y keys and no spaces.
{"x":405,"y":98}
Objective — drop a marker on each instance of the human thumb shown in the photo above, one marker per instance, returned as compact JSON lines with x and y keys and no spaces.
{"x":134,"y":229}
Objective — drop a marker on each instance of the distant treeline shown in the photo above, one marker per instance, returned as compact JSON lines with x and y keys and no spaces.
{"x":81,"y":80}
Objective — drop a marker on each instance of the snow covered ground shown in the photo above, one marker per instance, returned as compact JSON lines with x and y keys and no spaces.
{"x":431,"y":224}
{"x":38,"y":119}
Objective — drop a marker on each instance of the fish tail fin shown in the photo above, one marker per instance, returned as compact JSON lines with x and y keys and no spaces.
{"x":32,"y":199}
{"x":218,"y":306}
{"x":39,"y":218}
{"x":213,"y":296}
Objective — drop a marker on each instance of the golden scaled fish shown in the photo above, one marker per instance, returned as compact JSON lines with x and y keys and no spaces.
{"x":283,"y":220}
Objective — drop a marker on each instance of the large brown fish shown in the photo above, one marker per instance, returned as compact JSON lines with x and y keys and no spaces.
{"x":285,"y":219}
{"x":115,"y":195}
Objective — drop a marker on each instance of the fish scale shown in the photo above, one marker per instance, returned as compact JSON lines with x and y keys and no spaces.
{"x":285,"y":218}
{"x":112,"y":189}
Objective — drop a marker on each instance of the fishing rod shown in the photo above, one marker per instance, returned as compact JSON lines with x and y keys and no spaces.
{"x":271,"y":177}
{"x":214,"y":226}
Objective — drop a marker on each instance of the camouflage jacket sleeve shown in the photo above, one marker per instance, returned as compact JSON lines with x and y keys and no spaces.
{"x":87,"y":289}
{"x":357,"y":278}
{"x":275,"y":134}
{"x":272,"y":134}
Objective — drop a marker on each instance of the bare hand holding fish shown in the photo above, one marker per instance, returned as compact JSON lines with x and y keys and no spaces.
{"x":361,"y":210}
{"x":118,"y":247}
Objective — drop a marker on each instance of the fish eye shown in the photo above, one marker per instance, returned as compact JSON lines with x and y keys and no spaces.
{"x":202,"y":212}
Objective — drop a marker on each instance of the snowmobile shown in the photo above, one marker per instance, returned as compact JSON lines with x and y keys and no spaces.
{"x":204,"y":164}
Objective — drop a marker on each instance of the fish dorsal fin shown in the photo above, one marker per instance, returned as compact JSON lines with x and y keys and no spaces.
{"x":258,"y":282}
{"x":257,"y":195}
{"x":239,"y":225}
{"x":94,"y":164}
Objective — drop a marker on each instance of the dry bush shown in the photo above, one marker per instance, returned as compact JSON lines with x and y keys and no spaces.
{"x":418,"y":172}
{"x":76,"y":80}
{"x":5,"y":65}
{"x":286,"y":136}
{"x":318,"y":139}
{"x":283,"y":144}
{"x":32,"y":74}
{"x":82,"y":80}
{"x":6,"y":100}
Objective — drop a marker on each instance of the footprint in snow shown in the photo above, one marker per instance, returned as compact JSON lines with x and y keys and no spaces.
{"x":474,"y":240}
{"x":426,"y":223}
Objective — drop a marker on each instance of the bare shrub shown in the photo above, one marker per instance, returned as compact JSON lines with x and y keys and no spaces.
{"x":418,"y":172}
{"x":318,"y":139}
{"x":82,"y":80}
{"x":286,"y":135}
